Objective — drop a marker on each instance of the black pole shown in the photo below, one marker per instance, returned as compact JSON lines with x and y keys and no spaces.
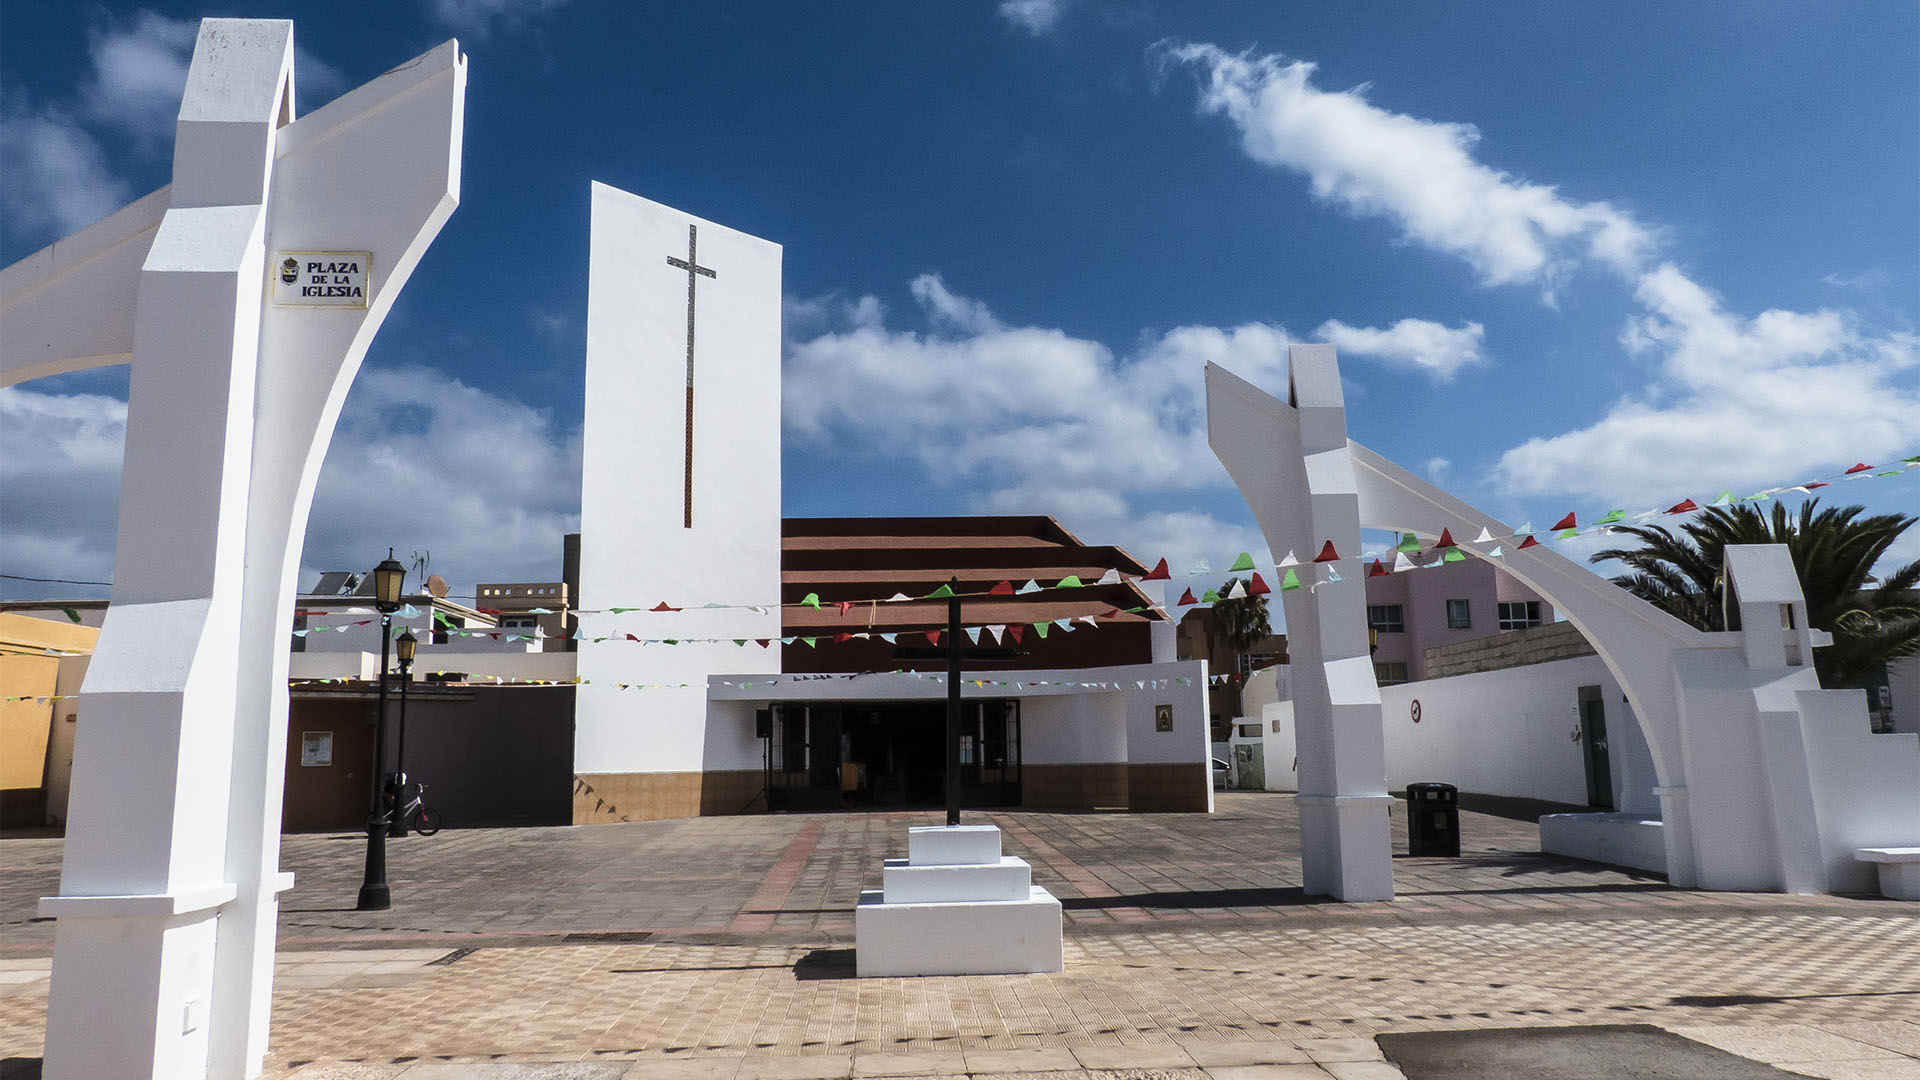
{"x":397,"y":823}
{"x":374,"y":895}
{"x":953,"y":704}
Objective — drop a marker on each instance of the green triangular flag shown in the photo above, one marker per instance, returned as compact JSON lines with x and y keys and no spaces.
{"x":1209,"y":597}
{"x":809,"y":642}
{"x":1454,"y":554}
{"x":943,"y":590}
{"x":740,"y":641}
{"x":1758,"y":496}
{"x":1612,"y":516}
{"x":812,"y":600}
{"x":1041,"y":628}
{"x":72,"y":615}
{"x":1725,"y":499}
{"x":1292,"y":580}
{"x":1071,"y":581}
{"x":1408,"y":542}
{"x":1566,"y":534}
{"x":1244,"y":562}
{"x":620,"y":610}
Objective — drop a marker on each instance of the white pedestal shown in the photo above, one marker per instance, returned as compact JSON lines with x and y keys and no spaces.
{"x":1899,"y":871}
{"x":956,"y":906}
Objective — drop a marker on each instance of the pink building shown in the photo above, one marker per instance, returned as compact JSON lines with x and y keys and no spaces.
{"x":1414,"y":610}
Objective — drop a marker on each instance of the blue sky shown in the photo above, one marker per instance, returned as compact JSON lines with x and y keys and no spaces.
{"x":1574,"y":256}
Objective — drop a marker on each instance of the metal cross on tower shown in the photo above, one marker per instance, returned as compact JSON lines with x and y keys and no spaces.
{"x":691,"y":264}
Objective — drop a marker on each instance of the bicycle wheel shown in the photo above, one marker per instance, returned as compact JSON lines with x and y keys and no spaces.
{"x":428,"y":822}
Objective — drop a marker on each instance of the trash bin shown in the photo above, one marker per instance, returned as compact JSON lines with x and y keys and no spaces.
{"x":1433,"y":820}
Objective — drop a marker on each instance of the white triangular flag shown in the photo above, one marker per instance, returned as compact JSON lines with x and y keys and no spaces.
{"x":897,"y":597}
{"x":1238,"y":591}
{"x":973,"y":634}
{"x":1200,"y":568}
{"x":1486,"y":536}
{"x":1111,"y":577}
{"x":1031,"y":586}
{"x":1288,"y":561}
{"x":1496,"y":552}
{"x":1064,"y":624}
{"x":1402,"y":564}
{"x":996,"y":630}
{"x":889,"y":638}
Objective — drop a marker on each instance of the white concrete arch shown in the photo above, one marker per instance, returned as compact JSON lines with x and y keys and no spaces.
{"x":1766,"y":781}
{"x":167,"y":904}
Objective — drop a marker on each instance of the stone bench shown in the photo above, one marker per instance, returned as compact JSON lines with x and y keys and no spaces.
{"x":1899,"y":870}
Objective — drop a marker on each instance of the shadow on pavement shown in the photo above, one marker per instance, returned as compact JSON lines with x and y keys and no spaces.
{"x":824,"y":964}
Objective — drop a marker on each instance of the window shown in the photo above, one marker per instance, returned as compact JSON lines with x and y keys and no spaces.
{"x":1519,"y":614}
{"x":1458,"y":615}
{"x":519,"y":622}
{"x":1252,"y":662}
{"x":1390,"y":672}
{"x":1386,"y":618}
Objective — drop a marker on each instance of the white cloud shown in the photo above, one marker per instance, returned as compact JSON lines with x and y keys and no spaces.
{"x":57,"y":174}
{"x":1036,"y":17}
{"x":1421,"y":174}
{"x":1416,"y":344}
{"x":139,"y":72}
{"x":1031,"y":419}
{"x":59,"y":487}
{"x":420,"y":461}
{"x":1780,"y":397}
{"x":482,"y":17}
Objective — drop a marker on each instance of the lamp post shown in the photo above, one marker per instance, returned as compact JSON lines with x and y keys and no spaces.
{"x":403,"y":648}
{"x":374,"y":895}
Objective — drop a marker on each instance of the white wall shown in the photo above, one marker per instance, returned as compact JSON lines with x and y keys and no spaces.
{"x":1903,"y":678}
{"x":635,"y":549}
{"x":1513,"y":732}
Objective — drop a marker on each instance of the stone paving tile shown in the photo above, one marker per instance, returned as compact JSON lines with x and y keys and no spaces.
{"x":1275,"y":1071}
{"x":1787,"y":1044}
{"x":1215,"y":1055}
{"x":1873,"y":1069}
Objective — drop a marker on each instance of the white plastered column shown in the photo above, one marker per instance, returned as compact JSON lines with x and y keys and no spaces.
{"x":163,"y":954}
{"x":1291,"y":462}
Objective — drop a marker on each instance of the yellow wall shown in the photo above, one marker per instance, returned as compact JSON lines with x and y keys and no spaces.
{"x":24,"y":725}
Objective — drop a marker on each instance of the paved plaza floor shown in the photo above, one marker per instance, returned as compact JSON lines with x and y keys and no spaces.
{"x":721,"y":949}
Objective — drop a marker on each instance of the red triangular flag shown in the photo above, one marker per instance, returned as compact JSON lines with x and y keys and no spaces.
{"x":1158,"y":573}
{"x":1683,"y":506}
{"x":840,"y":637}
{"x":1377,"y":570}
{"x":1256,"y":587}
{"x":1564,"y":523}
{"x":844,"y":605}
{"x":1445,"y":541}
{"x":1110,"y":613}
{"x":1187,"y":597}
{"x":1327,"y":554}
{"x":763,"y":642}
{"x":1015,"y":631}
{"x":1810,"y":487}
{"x":1531,"y":542}
{"x":933,"y":637}
{"x":1005,"y":588}
{"x":630,"y":637}
{"x":1862,"y":467}
{"x":662,"y":606}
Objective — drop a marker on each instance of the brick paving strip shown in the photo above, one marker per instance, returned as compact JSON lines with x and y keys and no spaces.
{"x":764,"y":906}
{"x":1082,"y":879}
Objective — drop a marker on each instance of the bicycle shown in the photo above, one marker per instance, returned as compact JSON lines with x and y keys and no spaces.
{"x":416,"y":814}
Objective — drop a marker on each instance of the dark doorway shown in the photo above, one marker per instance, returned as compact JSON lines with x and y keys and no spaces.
{"x":1593,"y":747}
{"x":891,"y":754}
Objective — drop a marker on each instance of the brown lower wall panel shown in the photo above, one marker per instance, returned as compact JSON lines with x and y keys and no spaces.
{"x":1073,"y":787}
{"x":606,"y":797}
{"x":1179,"y":787}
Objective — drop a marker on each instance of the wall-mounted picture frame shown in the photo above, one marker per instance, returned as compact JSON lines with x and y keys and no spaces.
{"x":1163,"y":718}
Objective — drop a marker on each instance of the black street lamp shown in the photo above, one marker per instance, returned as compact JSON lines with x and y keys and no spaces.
{"x":374,"y":895}
{"x":403,"y":649}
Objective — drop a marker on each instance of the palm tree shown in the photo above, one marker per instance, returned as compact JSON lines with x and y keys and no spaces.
{"x":1241,"y":622}
{"x":1834,"y":550}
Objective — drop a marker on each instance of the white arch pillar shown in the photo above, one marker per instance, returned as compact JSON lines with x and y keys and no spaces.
{"x":163,"y":955}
